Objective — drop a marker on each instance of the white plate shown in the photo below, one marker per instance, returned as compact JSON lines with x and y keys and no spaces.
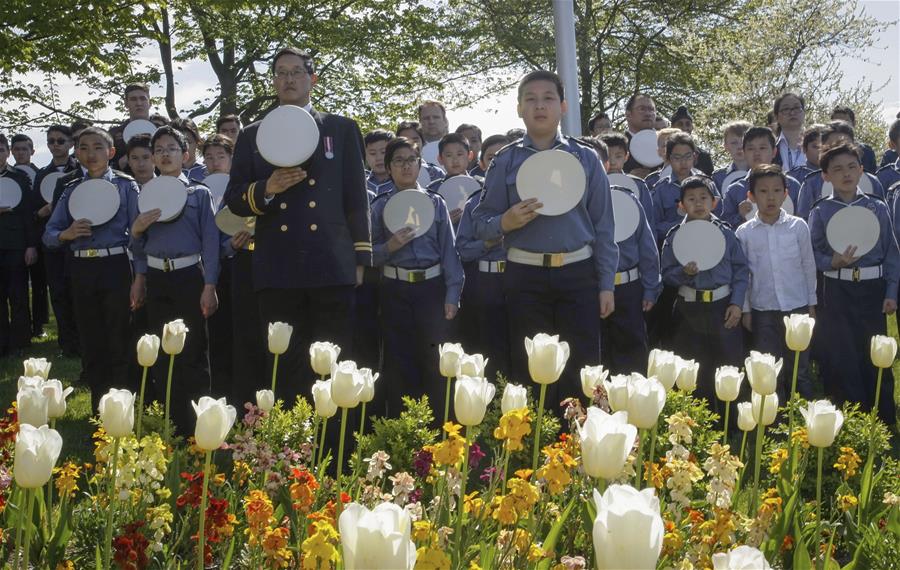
{"x":627,"y":214}
{"x":555,"y":177}
{"x":288,"y":136}
{"x":787,"y":206}
{"x":853,"y":225}
{"x":137,"y":127}
{"x":457,"y":189}
{"x":424,"y":178}
{"x":409,"y":209}
{"x":624,"y":181}
{"x":28,"y":171}
{"x":217,"y":184}
{"x":643,"y":148}
{"x":699,"y":241}
{"x":10,"y":193}
{"x":96,"y":200}
{"x":732,"y":178}
{"x":48,"y":185}
{"x":430,"y":152}
{"x":167,"y":193}
{"x":230,"y":223}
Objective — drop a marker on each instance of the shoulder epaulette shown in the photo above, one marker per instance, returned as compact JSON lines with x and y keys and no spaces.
{"x":505,"y":147}
{"x":120,"y":174}
{"x":581,"y":143}
{"x":816,"y":203}
{"x":876,"y":197}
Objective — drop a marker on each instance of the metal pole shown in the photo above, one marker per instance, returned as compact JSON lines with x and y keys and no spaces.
{"x":567,"y":64}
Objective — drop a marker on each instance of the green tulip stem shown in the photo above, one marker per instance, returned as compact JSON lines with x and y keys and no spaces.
{"x":505,"y":473}
{"x":20,"y":522}
{"x":201,"y":549}
{"x":322,"y":442}
{"x":725,"y":435}
{"x":793,"y":396}
{"x":760,"y":429}
{"x":113,"y":464}
{"x":535,"y":453}
{"x":48,"y":520}
{"x":743,"y":446}
{"x":870,"y":457}
{"x":140,"y":422}
{"x":461,"y":506}
{"x":362,"y":420}
{"x":651,"y":458}
{"x":274,"y":373}
{"x":877,"y":401}
{"x":819,"y":488}
{"x":601,"y":485}
{"x":28,"y":527}
{"x":638,"y":461}
{"x":446,"y":407}
{"x":340,"y":462}
{"x":168,"y":398}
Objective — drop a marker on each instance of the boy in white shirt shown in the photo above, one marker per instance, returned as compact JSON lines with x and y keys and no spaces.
{"x":782,"y":272}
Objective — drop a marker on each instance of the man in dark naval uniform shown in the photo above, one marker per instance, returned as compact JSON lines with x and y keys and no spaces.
{"x":313,"y":234}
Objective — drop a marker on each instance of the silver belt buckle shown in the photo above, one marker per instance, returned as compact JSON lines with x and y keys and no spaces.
{"x":167,"y":265}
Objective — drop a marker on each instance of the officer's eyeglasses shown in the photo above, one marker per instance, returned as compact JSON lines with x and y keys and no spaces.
{"x":680,"y":157}
{"x":57,"y":141}
{"x":790,"y":110}
{"x":290,"y":74}
{"x":167,"y":150}
{"x":401,"y":162}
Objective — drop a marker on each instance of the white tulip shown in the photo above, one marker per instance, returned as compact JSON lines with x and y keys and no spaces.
{"x":117,"y":412}
{"x":32,"y":406}
{"x":762,"y":372}
{"x":606,"y":441}
{"x":741,"y":558}
{"x":515,"y":397}
{"x":347,"y":384}
{"x":322,"y":356}
{"x":377,"y":539}
{"x":279,"y":337}
{"x":883,"y":350}
{"x":769,"y":412}
{"x":32,"y":381}
{"x":265,"y":400}
{"x":547,"y":357}
{"x":56,"y":398}
{"x":646,"y":399}
{"x":823,"y":422}
{"x":687,"y":374}
{"x":37,"y":367}
{"x":174,"y":334}
{"x":664,"y":366}
{"x":591,"y":377}
{"x":798,"y":330}
{"x":471,"y":398}
{"x":148,"y":350}
{"x":37,"y":450}
{"x":728,"y":383}
{"x":215,"y":419}
{"x":450,"y":353}
{"x":628,"y":531}
{"x":746,"y":421}
{"x":321,"y":392}
{"x":617,"y":391}
{"x":471,"y":365}
{"x":369,"y":379}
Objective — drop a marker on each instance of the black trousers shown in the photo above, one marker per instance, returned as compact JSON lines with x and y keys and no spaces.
{"x":15,"y":322}
{"x":221,"y":337}
{"x":468,"y":317}
{"x":249,"y":372}
{"x":488,"y":300}
{"x":623,"y":334}
{"x":366,"y":330}
{"x":176,"y":295}
{"x":768,"y":337}
{"x":56,"y":264}
{"x":100,"y":291}
{"x":40,"y":309}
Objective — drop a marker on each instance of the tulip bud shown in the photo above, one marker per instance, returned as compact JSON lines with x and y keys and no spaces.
{"x":174,"y":334}
{"x":664,"y":366}
{"x":369,"y":379}
{"x":32,"y":405}
{"x":515,"y":397}
{"x":762,"y":372}
{"x":117,"y":412}
{"x":591,"y":377}
{"x":646,"y":398}
{"x":798,"y":330}
{"x":883,"y":350}
{"x":37,"y":450}
{"x":471,"y":399}
{"x":321,"y":392}
{"x":377,"y":539}
{"x":728,"y":383}
{"x":33,"y":381}
{"x":214,"y":420}
{"x":606,"y":441}
{"x":322,"y":356}
{"x":741,"y":558}
{"x":687,"y":374}
{"x":823,"y":422}
{"x":617,"y":391}
{"x":547,"y":357}
{"x":37,"y":367}
{"x":745,"y":421}
{"x":279,"y":337}
{"x":628,"y":531}
{"x":346,"y":384}
{"x":148,"y":350}
{"x":450,"y":353}
{"x":265,"y":400}
{"x":770,"y":411}
{"x":471,"y":365}
{"x":56,"y":398}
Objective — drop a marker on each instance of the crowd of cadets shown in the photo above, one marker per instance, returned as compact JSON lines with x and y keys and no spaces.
{"x":487,"y":275}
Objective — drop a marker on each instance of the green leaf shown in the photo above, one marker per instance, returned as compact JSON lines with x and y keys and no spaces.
{"x":549,"y":543}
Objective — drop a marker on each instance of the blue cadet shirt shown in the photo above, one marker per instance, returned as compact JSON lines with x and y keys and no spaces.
{"x":436,"y":246}
{"x":193,"y":231}
{"x":114,"y":233}
{"x":197,"y":172}
{"x":737,"y":193}
{"x":469,"y":246}
{"x":799,"y":173}
{"x":719,"y":176}
{"x":666,"y":197}
{"x":888,"y":176}
{"x":434,"y":171}
{"x":811,"y":191}
{"x":645,"y":198}
{"x":639,"y":250}
{"x":591,"y":222}
{"x":378,"y":187}
{"x":731,"y":270}
{"x":885,"y":252}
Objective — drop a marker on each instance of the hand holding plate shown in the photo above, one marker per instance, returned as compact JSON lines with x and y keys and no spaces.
{"x":839,"y":260}
{"x":520,"y":214}
{"x":745,"y":208}
{"x":78,"y":229}
{"x":144,"y":221}
{"x":240,"y":239}
{"x":284,"y":178}
{"x":691,"y":268}
{"x":402,"y":237}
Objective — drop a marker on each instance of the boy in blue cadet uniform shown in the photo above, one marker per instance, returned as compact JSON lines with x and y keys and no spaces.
{"x":378,"y":179}
{"x":759,"y":149}
{"x":617,"y":153}
{"x":707,"y":311}
{"x":733,"y":139}
{"x":420,"y":289}
{"x":473,"y":137}
{"x":489,"y":148}
{"x":561,"y":270}
{"x":140,"y":158}
{"x":229,"y":125}
{"x":193,"y":170}
{"x":834,"y":133}
{"x":789,"y":111}
{"x":812,"y":145}
{"x":413,"y":131}
{"x":454,"y":156}
{"x":681,"y":151}
{"x":313,"y":234}
{"x":889,"y":174}
{"x":662,"y":136}
{"x":858,"y":291}
{"x":101,"y":273}
{"x":782,"y":273}
{"x":844,"y":113}
{"x":683,"y":120}
{"x":137,"y":103}
{"x":22,"y":148}
{"x":177,"y":265}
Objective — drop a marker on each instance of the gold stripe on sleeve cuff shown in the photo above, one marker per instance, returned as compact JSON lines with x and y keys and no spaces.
{"x":251,"y":199}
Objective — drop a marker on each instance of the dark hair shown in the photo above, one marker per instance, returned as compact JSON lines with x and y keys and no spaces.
{"x":67,"y":131}
{"x":159,"y":118}
{"x":737,"y":128}
{"x":598,"y":145}
{"x":596,"y":118}
{"x":832,"y":152}
{"x":837,"y":127}
{"x":615,"y":140}
{"x":186,"y":126}
{"x":515,"y":134}
{"x":98,"y":132}
{"x":542,"y":75}
{"x":304,"y":55}
{"x":894,"y":131}
{"x":410,"y":125}
{"x":782,"y":97}
{"x":431,"y":103}
{"x":137,"y":87}
{"x":813,"y":133}
{"x":492,"y":140}
{"x":469,"y":127}
{"x":844,"y":110}
{"x":219,"y":140}
{"x":754,"y":133}
{"x":171,"y":131}
{"x":3,"y":141}
{"x":633,"y":99}
{"x":396,"y":144}
{"x":79,"y":125}
{"x":681,"y":113}
{"x":139,"y":141}
{"x":679,"y":138}
{"x":453,"y":138}
{"x":228,"y":119}
{"x":377,"y":135}
{"x":21,"y":137}
{"x":698,"y":181}
{"x":763,"y":171}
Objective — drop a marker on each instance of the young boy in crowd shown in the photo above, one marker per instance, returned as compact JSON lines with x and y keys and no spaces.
{"x":860,"y":287}
{"x":230,"y":126}
{"x":473,"y":136}
{"x":378,"y":180}
{"x":812,"y":146}
{"x":22,"y":148}
{"x":193,"y":170}
{"x":733,"y":135}
{"x":782,"y":273}
{"x":844,"y":113}
{"x":662,"y":138}
{"x":617,"y":152}
{"x":707,"y":311}
{"x":100,"y":269}
{"x":680,"y":153}
{"x":889,"y":175}
{"x":454,"y":156}
{"x":413,"y":131}
{"x":489,"y":148}
{"x":140,"y":158}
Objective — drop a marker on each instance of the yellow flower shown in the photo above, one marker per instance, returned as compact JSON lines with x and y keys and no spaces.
{"x":474,"y":566}
{"x":536,"y":553}
{"x":779,"y":456}
{"x":258,"y":508}
{"x":847,"y":462}
{"x":474,"y":504}
{"x":523,"y":474}
{"x":67,"y":478}
{"x":514,"y":425}
{"x":450,"y":451}
{"x":65,"y":565}
{"x":801,"y":436}
{"x":423,"y":531}
{"x":275,"y":547}
{"x":771,"y":503}
{"x":318,"y":550}
{"x":452,"y":429}
{"x":847,"y":502}
{"x":431,"y":559}
{"x":556,"y":470}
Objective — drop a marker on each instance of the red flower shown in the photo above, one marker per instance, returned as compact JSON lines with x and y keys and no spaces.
{"x":130,"y":548}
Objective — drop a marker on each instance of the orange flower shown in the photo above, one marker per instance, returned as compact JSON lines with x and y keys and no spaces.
{"x":303,"y":490}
